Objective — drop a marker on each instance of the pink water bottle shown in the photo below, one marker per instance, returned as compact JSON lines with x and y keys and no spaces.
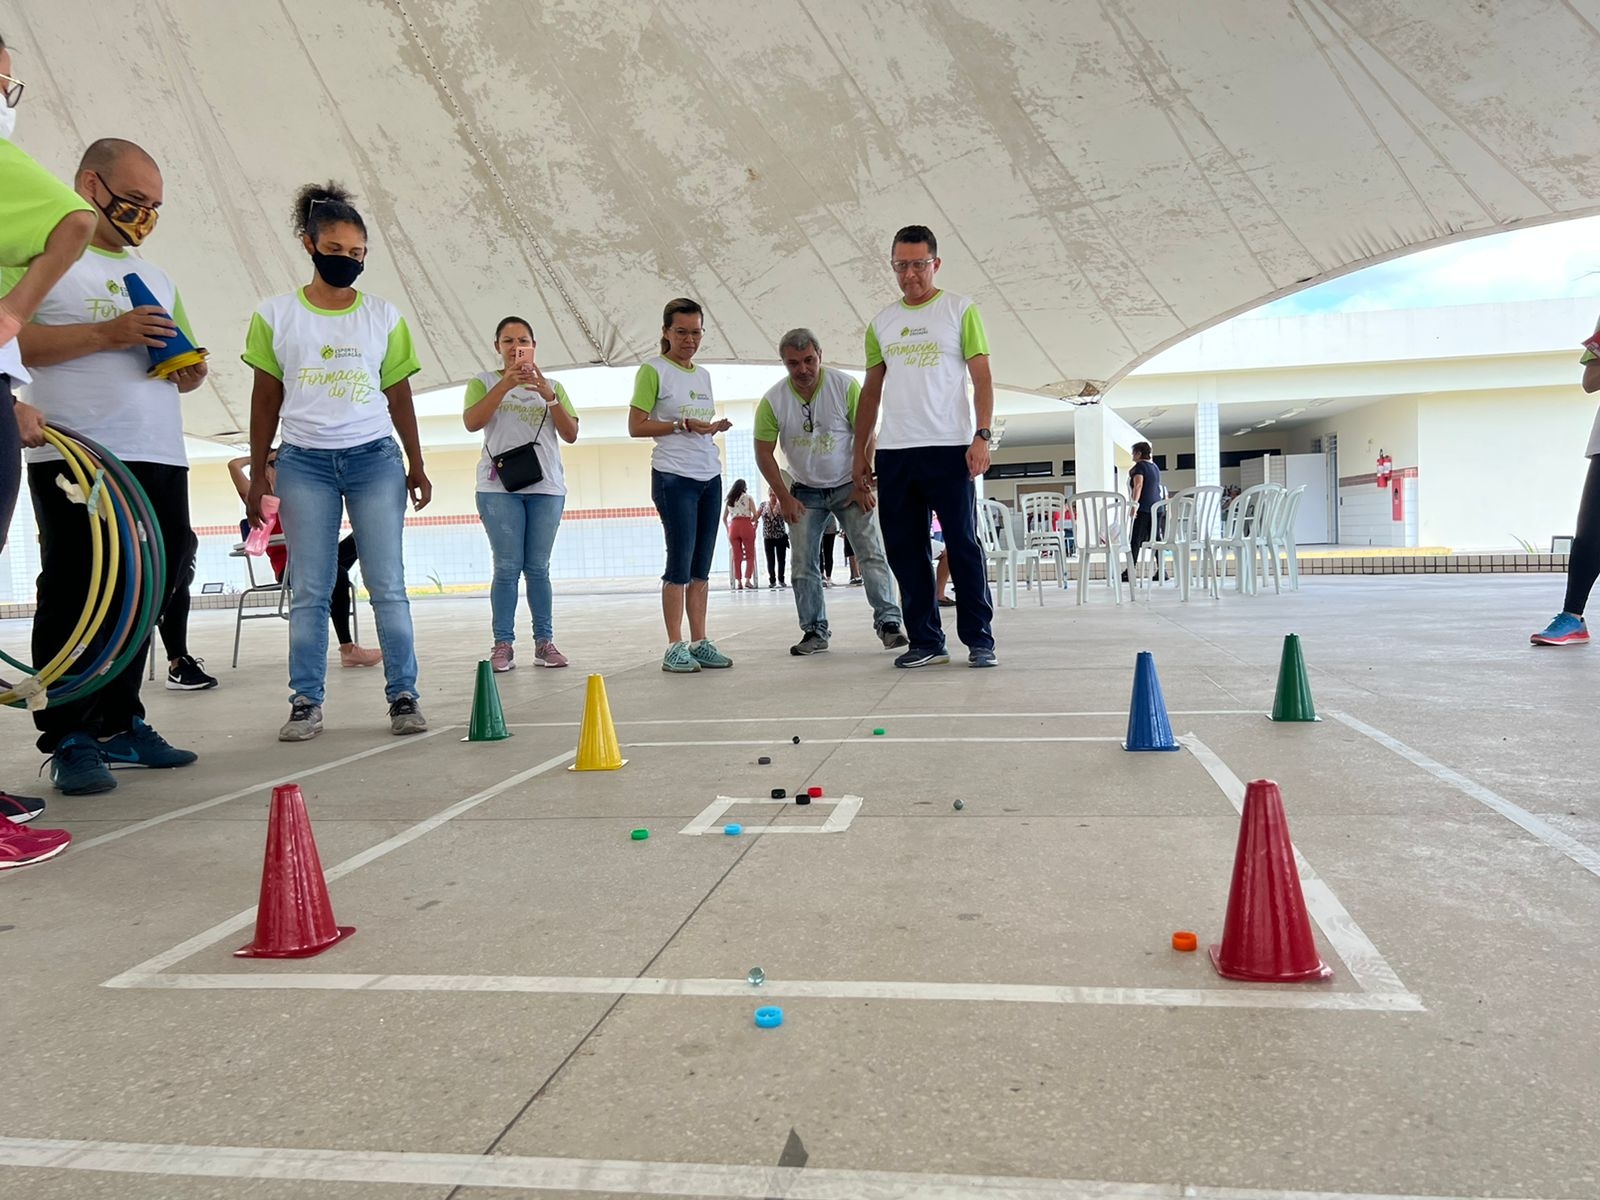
{"x":260,"y":535}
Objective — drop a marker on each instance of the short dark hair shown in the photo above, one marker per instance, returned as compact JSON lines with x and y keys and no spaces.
{"x":504,"y":321}
{"x":681,"y":306}
{"x":318,"y":205}
{"x":1141,"y":449}
{"x":912,"y":234}
{"x":103,"y":154}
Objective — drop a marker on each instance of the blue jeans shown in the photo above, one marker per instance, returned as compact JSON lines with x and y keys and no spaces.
{"x":915,"y":484}
{"x":861,"y":528}
{"x":691,"y":512}
{"x":315,"y":486}
{"x":522,"y":532}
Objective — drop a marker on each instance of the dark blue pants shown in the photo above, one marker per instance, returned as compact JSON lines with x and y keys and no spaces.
{"x":913,"y":485}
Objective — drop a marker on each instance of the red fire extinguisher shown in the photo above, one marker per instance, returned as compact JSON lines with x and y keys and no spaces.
{"x":1385,"y":469}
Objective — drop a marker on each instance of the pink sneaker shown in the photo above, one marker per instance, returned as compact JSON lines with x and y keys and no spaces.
{"x":22,"y":847}
{"x":546,"y":655}
{"x":502,"y":657}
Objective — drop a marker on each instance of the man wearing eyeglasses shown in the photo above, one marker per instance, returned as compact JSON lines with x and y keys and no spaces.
{"x":812,"y":413}
{"x":933,"y":442}
{"x":87,"y":350}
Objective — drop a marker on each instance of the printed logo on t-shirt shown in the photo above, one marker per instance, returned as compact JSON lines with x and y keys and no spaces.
{"x":329,"y":353}
{"x":354,"y":384}
{"x":106,"y":310}
{"x":913,"y":354}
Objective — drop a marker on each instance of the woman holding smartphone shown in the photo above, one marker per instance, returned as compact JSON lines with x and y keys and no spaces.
{"x":521,"y":489}
{"x":672,"y":404}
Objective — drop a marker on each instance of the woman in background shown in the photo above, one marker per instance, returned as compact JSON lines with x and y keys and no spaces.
{"x":739,"y":520}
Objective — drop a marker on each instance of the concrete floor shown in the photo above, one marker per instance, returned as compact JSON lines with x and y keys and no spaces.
{"x":979,"y":1003}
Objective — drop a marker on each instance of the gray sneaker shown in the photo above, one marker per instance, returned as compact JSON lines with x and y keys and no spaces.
{"x":812,"y":643}
{"x":405,"y":717}
{"x":893,"y":637}
{"x":304,"y":723}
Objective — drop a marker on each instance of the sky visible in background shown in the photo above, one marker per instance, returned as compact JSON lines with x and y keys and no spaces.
{"x":1545,"y":262}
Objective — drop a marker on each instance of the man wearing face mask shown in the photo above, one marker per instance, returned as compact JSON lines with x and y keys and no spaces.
{"x":87,"y":352}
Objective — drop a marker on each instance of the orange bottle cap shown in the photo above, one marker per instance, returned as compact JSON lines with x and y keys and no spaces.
{"x":1184,"y":940}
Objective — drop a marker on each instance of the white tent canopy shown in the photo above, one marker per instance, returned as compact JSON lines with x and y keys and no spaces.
{"x":1105,"y":177}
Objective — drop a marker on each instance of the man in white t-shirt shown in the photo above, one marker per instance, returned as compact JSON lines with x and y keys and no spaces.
{"x":812,"y":414}
{"x":932,"y":444}
{"x":87,"y":350}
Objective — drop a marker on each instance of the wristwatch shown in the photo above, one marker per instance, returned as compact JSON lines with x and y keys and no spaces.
{"x":986,"y":434}
{"x":678,"y":425}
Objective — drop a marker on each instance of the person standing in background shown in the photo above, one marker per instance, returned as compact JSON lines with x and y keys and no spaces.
{"x":1568,"y":627}
{"x":1144,"y":489}
{"x":672,"y":404}
{"x":522,"y":415}
{"x":775,"y":533}
{"x":739,"y":519}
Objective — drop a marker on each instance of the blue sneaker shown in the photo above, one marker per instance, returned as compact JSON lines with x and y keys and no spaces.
{"x":707,"y":655}
{"x":922,"y":658}
{"x":78,"y":768}
{"x":983,"y":658}
{"x":142,"y":746}
{"x":1565,"y":630}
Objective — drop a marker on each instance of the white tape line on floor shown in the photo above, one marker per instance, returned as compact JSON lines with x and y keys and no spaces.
{"x":1584,"y":856}
{"x":721,"y":1180}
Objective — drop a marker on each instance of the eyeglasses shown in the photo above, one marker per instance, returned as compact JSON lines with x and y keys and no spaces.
{"x":12,"y":90}
{"x":810,"y":425}
{"x":902,"y":265}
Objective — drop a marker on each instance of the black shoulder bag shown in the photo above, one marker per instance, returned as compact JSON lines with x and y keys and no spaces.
{"x":519,"y":467}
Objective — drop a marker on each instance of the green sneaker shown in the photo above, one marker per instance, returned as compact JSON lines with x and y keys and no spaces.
{"x":679,"y":660}
{"x":708,"y":655}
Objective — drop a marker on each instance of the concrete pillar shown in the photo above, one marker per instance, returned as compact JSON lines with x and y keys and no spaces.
{"x":1207,"y":441}
{"x":1093,"y":448}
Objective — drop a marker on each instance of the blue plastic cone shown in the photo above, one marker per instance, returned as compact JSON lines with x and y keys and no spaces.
{"x":1148,"y":727}
{"x":179,"y":352}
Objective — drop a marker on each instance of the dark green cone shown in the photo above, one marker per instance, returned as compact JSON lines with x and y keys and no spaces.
{"x":488,"y":721}
{"x":1293,"y":701}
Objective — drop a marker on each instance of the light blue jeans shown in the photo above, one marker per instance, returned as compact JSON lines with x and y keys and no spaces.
{"x":315,"y":486}
{"x":522,"y":532}
{"x":862,"y":530}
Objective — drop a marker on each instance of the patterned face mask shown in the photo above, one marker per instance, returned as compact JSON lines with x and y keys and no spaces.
{"x":134,"y":221}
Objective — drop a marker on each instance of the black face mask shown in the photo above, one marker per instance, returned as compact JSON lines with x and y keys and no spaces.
{"x":337,"y":270}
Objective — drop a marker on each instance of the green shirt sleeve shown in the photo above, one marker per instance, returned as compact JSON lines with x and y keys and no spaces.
{"x":566,"y":401}
{"x":646,"y":388}
{"x":851,"y":399}
{"x":399,"y":357}
{"x":180,"y":318}
{"x":766,"y":422}
{"x":9,"y":277}
{"x":477,"y":389}
{"x":258,"y":351}
{"x":974,"y":338}
{"x":874,"y":351}
{"x":32,"y":203}
{"x":1588,"y":355}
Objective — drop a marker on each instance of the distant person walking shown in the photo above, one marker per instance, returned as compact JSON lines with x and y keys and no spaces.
{"x":1583,"y":560}
{"x":739,"y":519}
{"x":1144,"y":489}
{"x":775,"y":534}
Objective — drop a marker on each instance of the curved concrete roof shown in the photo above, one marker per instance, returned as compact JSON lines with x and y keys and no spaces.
{"x":1105,"y":177}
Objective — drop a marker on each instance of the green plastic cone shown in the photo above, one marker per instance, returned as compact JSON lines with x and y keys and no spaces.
{"x":1293,"y":701}
{"x":488,"y":721}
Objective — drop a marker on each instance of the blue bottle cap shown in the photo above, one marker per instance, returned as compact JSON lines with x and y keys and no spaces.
{"x":769,"y":1018}
{"x":733,"y":830}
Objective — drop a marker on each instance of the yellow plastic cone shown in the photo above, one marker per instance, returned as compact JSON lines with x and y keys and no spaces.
{"x":597,"y":739}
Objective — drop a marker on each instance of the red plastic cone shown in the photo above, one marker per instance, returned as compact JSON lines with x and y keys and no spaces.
{"x":294,"y":918}
{"x":1266,"y":937}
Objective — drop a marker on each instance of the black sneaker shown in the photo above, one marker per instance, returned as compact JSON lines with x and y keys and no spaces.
{"x":406,"y":717}
{"x":188,"y":677}
{"x":893,"y":637}
{"x":142,"y":746}
{"x":812,"y":643}
{"x":19,"y":810}
{"x":922,"y":658}
{"x":982,"y":658}
{"x":77,"y":768}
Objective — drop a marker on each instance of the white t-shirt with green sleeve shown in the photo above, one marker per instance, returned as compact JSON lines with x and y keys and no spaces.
{"x":521,"y":418}
{"x":823,"y":456}
{"x":334,"y":366}
{"x":925,"y":349}
{"x":108,"y":396}
{"x":666,"y":391}
{"x":1593,"y":449}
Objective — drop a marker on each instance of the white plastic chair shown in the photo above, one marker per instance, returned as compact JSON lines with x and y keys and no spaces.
{"x":1241,"y":537}
{"x":1204,"y":528}
{"x":1005,"y":545}
{"x":1102,"y":523}
{"x":1175,"y":541}
{"x":1044,"y":519}
{"x":1278,"y":539}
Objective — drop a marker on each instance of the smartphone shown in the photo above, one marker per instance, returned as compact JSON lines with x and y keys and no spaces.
{"x":522,"y":355}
